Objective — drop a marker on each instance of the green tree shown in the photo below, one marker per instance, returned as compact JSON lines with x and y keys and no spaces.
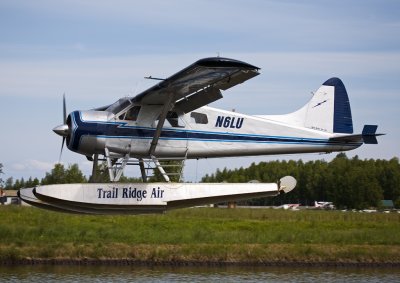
{"x":388,"y":176}
{"x":125,"y":179}
{"x":56,"y":176}
{"x":60,"y":175}
{"x":9,"y":183}
{"x":32,"y":182}
{"x":350,"y":183}
{"x":17,"y":185}
{"x":101,"y":174}
{"x":173,"y":167}
{"x":74,"y":175}
{"x":1,"y":172}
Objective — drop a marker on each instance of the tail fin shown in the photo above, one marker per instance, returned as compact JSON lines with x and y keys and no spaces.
{"x":327,"y":111}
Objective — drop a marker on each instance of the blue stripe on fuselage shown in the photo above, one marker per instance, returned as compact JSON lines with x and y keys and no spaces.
{"x":121,"y":130}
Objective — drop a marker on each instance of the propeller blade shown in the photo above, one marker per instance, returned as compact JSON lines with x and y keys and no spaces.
{"x":62,"y":146}
{"x":65,"y":110}
{"x":64,"y":122}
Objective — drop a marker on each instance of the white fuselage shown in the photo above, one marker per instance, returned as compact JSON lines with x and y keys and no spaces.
{"x":204,"y":133}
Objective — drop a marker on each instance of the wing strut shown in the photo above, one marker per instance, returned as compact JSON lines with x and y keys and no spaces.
{"x":93,"y":178}
{"x":109,"y":164}
{"x":160,"y":168}
{"x":167,"y":106}
{"x":142,"y":170}
{"x":115,"y":169}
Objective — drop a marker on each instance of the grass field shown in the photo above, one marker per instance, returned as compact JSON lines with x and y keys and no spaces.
{"x":203,"y":235}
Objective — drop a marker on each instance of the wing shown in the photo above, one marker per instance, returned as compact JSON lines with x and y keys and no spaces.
{"x":198,"y":84}
{"x":195,"y":86}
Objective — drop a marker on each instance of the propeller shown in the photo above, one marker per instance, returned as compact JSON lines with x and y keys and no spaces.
{"x":63,"y":129}
{"x":65,"y":122}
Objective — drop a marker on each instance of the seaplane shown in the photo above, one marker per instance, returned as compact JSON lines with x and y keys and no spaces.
{"x":289,"y":206}
{"x":172,"y":121}
{"x":324,"y":205}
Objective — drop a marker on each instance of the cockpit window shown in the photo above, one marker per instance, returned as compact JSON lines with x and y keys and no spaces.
{"x":131,"y":115}
{"x":118,"y":106}
{"x":199,"y":118}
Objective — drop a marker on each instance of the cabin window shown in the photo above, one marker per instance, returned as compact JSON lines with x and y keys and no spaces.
{"x":199,"y":118}
{"x":131,"y":115}
{"x":172,"y":120}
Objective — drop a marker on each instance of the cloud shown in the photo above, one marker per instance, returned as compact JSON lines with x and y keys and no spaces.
{"x":216,"y":25}
{"x":32,"y":165}
{"x":106,"y":79}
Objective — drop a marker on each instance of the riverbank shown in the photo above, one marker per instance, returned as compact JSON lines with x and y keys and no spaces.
{"x":227,"y":255}
{"x":201,"y":236}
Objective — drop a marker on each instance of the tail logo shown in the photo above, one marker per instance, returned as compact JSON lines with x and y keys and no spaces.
{"x":318,"y":104}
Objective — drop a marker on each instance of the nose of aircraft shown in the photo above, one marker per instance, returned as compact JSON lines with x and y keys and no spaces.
{"x":61,"y":130}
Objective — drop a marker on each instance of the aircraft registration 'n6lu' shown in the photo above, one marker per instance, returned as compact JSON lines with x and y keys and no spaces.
{"x":171,"y":121}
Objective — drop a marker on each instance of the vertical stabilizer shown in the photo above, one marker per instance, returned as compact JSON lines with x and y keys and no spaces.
{"x":329,"y":109}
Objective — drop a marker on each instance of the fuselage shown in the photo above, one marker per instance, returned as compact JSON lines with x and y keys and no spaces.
{"x":204,"y":133}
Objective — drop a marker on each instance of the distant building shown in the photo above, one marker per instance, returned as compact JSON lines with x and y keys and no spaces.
{"x":11,"y":197}
{"x":387,"y":204}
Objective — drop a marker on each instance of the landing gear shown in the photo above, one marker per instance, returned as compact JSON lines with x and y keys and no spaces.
{"x":115,"y":167}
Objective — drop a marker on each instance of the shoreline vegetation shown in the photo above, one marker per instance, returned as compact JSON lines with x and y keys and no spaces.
{"x":201,"y":236}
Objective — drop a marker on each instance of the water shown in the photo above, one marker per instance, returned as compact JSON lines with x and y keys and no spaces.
{"x":191,"y":274}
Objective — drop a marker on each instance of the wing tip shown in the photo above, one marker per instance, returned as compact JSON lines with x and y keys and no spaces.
{"x":224,"y":62}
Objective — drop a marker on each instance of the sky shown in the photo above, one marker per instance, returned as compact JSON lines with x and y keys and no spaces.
{"x":99,"y":51}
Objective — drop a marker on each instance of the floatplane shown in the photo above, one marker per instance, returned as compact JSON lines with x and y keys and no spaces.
{"x":171,"y":121}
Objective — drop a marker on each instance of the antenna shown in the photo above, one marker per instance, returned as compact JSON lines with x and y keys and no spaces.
{"x":151,"y":78}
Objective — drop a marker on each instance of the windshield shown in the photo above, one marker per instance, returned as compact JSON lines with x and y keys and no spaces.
{"x":121,"y":104}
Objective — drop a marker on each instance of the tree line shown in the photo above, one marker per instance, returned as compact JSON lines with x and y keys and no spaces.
{"x":63,"y":175}
{"x":72,"y":174}
{"x":348,"y":183}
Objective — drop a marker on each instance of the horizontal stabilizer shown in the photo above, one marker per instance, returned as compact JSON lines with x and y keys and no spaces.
{"x":369,"y":129}
{"x":368,"y":136}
